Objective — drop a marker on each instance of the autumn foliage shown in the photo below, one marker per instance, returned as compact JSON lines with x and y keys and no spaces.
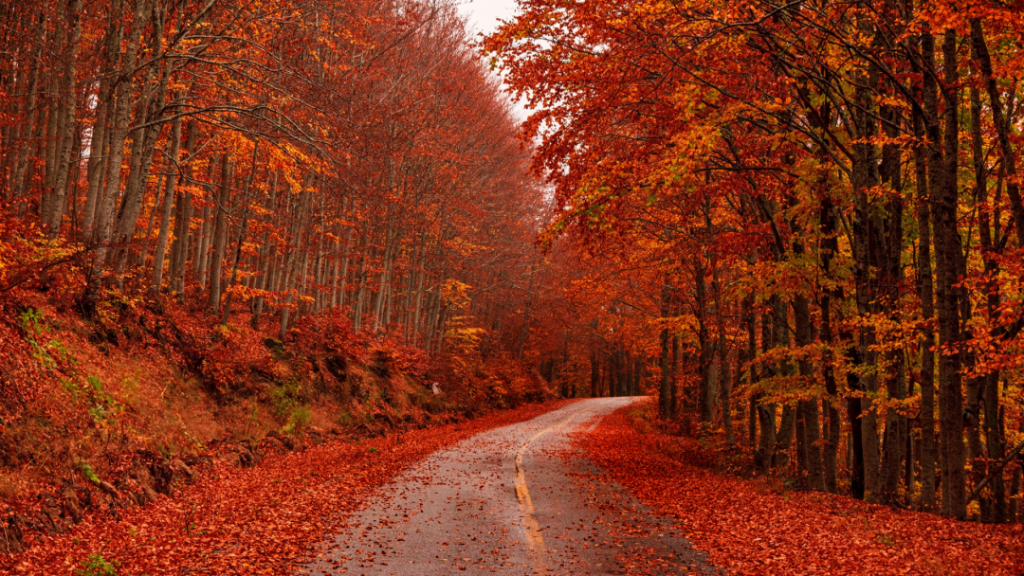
{"x":223,"y":220}
{"x":800,"y":223}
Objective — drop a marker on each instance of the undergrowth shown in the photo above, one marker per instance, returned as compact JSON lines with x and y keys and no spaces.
{"x":79,"y":397}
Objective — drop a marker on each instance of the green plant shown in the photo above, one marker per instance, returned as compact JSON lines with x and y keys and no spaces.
{"x":31,"y":321}
{"x":72,"y":387}
{"x":298,"y":419}
{"x":285,"y":397}
{"x":165,"y":450}
{"x":47,"y":351}
{"x":886,"y":539}
{"x":345,"y":418}
{"x":88,"y":472}
{"x":105,"y":408}
{"x":129,"y":387}
{"x":97,"y":565}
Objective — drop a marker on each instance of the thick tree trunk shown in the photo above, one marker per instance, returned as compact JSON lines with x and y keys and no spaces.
{"x":891,"y":272}
{"x":853,"y":414}
{"x":809,"y":439}
{"x":947,"y":256}
{"x":993,"y":503}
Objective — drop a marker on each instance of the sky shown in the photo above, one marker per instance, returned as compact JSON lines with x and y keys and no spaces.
{"x":483,"y":16}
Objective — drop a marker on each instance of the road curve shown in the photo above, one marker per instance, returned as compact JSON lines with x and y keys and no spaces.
{"x":508,"y":501}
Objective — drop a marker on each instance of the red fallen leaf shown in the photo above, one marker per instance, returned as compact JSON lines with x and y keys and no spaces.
{"x":746,"y":528}
{"x":252,"y":509}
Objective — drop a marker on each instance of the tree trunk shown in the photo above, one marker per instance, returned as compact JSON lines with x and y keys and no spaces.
{"x":64,"y":155}
{"x":169,"y":195}
{"x":220,"y":234}
{"x":766,"y":411}
{"x":926,"y":337}
{"x":1007,"y":156}
{"x":947,"y":256}
{"x":118,"y":135}
{"x":830,"y":405}
{"x":891,"y":272}
{"x":665,"y":392}
{"x":725,"y":376}
{"x":706,"y":347}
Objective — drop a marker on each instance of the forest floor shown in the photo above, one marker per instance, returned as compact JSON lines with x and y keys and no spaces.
{"x":101,"y":415}
{"x":759,"y":527}
{"x":260,"y":520}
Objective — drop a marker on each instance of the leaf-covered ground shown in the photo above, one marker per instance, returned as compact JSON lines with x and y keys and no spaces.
{"x":747,"y":527}
{"x":260,"y":520}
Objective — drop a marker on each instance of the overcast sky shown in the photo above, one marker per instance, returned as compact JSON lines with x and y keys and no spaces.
{"x":483,"y":17}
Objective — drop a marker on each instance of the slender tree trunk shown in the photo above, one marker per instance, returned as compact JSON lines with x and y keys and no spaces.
{"x":665,"y":393}
{"x":118,"y":135}
{"x":21,"y":165}
{"x":830,"y":405}
{"x":68,"y":140}
{"x":926,"y":337}
{"x":220,"y":235}
{"x":706,"y":347}
{"x":1007,"y":155}
{"x":747,"y":354}
{"x":766,"y":411}
{"x":725,"y":376}
{"x":165,"y":216}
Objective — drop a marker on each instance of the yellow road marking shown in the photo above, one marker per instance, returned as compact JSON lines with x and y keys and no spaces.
{"x":526,"y":510}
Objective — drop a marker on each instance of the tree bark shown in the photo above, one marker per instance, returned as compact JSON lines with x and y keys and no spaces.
{"x":121,"y":96}
{"x":156,"y":282}
{"x":947,"y":256}
{"x":220,"y":234}
{"x":68,"y":140}
{"x":926,"y":335}
{"x":725,"y":377}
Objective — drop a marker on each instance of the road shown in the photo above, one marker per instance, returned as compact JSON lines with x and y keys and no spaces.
{"x":509,"y":501}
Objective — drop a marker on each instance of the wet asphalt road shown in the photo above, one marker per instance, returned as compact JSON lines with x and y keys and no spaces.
{"x":509,"y":501}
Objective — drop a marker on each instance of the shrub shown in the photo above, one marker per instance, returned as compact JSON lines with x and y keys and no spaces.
{"x":97,"y":565}
{"x":298,"y":419}
{"x":345,"y":418}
